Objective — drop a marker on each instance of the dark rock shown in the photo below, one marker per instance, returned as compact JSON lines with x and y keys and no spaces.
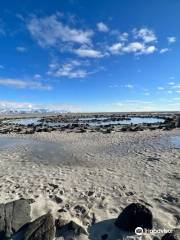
{"x":134,"y":215}
{"x":13,"y":216}
{"x":175,"y":235}
{"x":58,"y":199}
{"x":104,"y":237}
{"x":80,"y":209}
{"x":41,"y":229}
{"x":61,"y":222}
{"x":67,"y":227}
{"x":77,"y":228}
{"x":55,"y":186}
{"x":90,"y":193}
{"x":177,"y":123}
{"x":169,"y":198}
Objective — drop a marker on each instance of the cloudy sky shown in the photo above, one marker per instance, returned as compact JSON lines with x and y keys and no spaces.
{"x":90,"y":55}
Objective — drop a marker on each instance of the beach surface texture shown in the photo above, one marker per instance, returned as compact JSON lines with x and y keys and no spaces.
{"x":91,"y":177}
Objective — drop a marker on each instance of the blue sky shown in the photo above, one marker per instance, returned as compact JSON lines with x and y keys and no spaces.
{"x":90,"y":55}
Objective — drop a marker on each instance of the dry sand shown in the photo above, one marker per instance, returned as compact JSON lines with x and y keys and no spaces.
{"x":101,"y":173}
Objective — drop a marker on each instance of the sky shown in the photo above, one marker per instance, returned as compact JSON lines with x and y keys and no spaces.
{"x":85,"y":56}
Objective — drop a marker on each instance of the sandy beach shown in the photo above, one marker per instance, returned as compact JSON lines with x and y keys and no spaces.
{"x":93,"y":176}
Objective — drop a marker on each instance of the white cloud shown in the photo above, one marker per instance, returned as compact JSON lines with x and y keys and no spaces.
{"x":160,"y":88}
{"x":116,"y":48}
{"x":149,"y":50}
{"x":18,"y":83}
{"x":176,"y":86}
{"x":113,"y":86}
{"x":147,"y":35}
{"x":164,"y":50}
{"x":133,"y":105}
{"x":171,"y":83}
{"x":102,"y":27}
{"x":129,"y":86}
{"x":37,"y":76}
{"x":134,"y":47}
{"x":21,"y":49}
{"x":171,"y":39}
{"x":139,"y":48}
{"x":123,"y":36}
{"x":146,"y":93}
{"x":88,"y":52}
{"x":71,"y":70}
{"x":27,"y":106}
{"x":49,"y":31}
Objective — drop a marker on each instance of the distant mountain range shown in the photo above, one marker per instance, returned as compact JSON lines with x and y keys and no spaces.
{"x":24,"y":111}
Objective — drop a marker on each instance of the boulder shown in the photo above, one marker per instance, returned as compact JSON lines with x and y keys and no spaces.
{"x":175,"y":235}
{"x":133,"y":216}
{"x":67,"y":227}
{"x":177,"y":123}
{"x":13,"y":216}
{"x":42,"y":228}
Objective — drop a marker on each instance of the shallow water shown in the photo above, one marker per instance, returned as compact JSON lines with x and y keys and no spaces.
{"x":133,"y":120}
{"x":43,"y":152}
{"x":91,"y":121}
{"x":24,"y":121}
{"x":175,"y":140}
{"x":6,"y":142}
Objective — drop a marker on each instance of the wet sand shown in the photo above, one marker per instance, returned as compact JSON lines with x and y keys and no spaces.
{"x":101,"y":172}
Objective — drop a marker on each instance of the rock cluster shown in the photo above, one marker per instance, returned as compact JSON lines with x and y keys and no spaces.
{"x":103,"y":123}
{"x":16,"y":224}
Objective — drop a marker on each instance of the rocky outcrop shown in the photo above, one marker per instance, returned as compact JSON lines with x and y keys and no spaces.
{"x":13,"y":216}
{"x":104,"y":123}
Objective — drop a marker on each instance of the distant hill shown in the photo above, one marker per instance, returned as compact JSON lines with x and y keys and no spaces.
{"x":25,"y":111}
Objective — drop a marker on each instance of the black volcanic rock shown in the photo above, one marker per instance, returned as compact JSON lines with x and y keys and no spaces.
{"x":175,"y":235}
{"x":42,"y":228}
{"x":133,"y":216}
{"x":177,"y":124}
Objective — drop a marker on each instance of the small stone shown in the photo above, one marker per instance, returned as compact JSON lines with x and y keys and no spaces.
{"x":90,"y":193}
{"x":55,"y":186}
{"x":58,"y":199}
